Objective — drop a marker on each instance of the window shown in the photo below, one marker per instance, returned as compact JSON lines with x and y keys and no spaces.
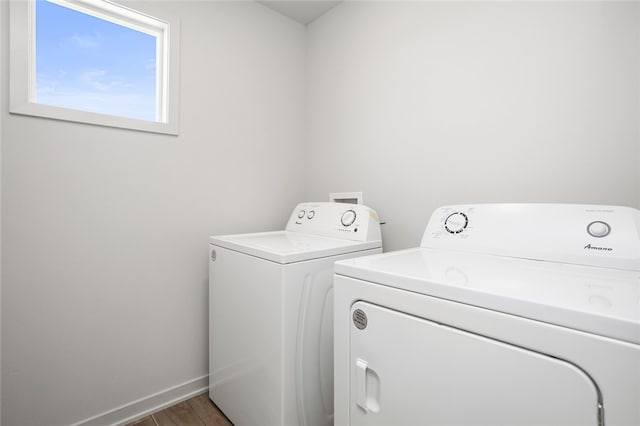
{"x":96,"y":62}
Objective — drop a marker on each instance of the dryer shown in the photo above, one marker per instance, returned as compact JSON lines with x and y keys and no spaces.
{"x":506,"y":314}
{"x":271,"y":314}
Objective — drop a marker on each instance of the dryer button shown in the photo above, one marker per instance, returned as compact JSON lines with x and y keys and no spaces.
{"x":598,"y":229}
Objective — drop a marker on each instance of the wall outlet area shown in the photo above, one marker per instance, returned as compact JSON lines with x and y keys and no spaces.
{"x":346,"y":197}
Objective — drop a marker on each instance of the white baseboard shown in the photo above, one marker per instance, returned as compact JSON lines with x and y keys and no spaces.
{"x":143,"y":407}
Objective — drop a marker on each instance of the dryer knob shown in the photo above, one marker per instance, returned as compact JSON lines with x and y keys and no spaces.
{"x":456,"y":222}
{"x":301,"y":214}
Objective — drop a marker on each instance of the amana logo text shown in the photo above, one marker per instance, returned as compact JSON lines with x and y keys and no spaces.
{"x":590,"y":247}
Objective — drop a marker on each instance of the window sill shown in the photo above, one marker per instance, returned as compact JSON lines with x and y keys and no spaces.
{"x":77,"y":116}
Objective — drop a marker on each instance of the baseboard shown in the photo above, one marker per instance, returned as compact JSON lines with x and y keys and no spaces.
{"x":143,"y":407}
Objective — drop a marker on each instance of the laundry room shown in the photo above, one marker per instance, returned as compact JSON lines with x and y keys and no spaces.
{"x":260,"y":108}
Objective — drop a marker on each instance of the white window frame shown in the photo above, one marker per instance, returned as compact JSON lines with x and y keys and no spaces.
{"x":22,"y":75}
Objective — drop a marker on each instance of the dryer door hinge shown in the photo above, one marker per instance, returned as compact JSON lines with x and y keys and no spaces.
{"x":600,"y":415}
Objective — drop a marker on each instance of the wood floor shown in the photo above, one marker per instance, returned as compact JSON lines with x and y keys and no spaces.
{"x":197,"y":411}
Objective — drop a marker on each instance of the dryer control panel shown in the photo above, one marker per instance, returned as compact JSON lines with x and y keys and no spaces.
{"x":606,"y":236}
{"x":337,"y":220}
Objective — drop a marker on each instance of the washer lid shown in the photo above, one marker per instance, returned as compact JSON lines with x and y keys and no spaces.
{"x":596,"y":300}
{"x":289,"y":247}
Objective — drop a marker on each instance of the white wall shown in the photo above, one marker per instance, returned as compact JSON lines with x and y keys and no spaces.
{"x":421,"y":104}
{"x":105,"y":231}
{"x":2,"y":81}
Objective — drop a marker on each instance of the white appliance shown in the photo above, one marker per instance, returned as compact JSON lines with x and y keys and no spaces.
{"x":271,"y":314}
{"x":505,"y":315}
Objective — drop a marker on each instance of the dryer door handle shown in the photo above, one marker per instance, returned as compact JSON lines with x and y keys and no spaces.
{"x":367,"y":387}
{"x":361,"y":383}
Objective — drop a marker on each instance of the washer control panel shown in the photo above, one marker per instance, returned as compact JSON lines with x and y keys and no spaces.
{"x":607,"y":236}
{"x":339,"y":220}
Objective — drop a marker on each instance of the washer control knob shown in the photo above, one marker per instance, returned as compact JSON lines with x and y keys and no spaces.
{"x":311,"y":214}
{"x":456,"y":222}
{"x":598,"y":229}
{"x":301,"y":214}
{"x":348,"y":218}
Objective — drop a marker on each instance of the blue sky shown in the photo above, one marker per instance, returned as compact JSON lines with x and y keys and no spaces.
{"x":90,"y":64}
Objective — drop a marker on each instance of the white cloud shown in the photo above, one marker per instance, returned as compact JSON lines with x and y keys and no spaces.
{"x":46,"y":84}
{"x":84,"y":41}
{"x":91,"y":79}
{"x":99,"y":80}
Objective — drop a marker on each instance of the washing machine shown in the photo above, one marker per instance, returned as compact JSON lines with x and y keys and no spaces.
{"x":271,"y":314}
{"x":507,"y":314}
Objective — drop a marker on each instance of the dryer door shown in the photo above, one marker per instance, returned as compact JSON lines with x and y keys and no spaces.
{"x":407,"y":370}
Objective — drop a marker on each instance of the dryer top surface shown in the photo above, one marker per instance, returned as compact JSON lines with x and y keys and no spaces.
{"x":597,"y":300}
